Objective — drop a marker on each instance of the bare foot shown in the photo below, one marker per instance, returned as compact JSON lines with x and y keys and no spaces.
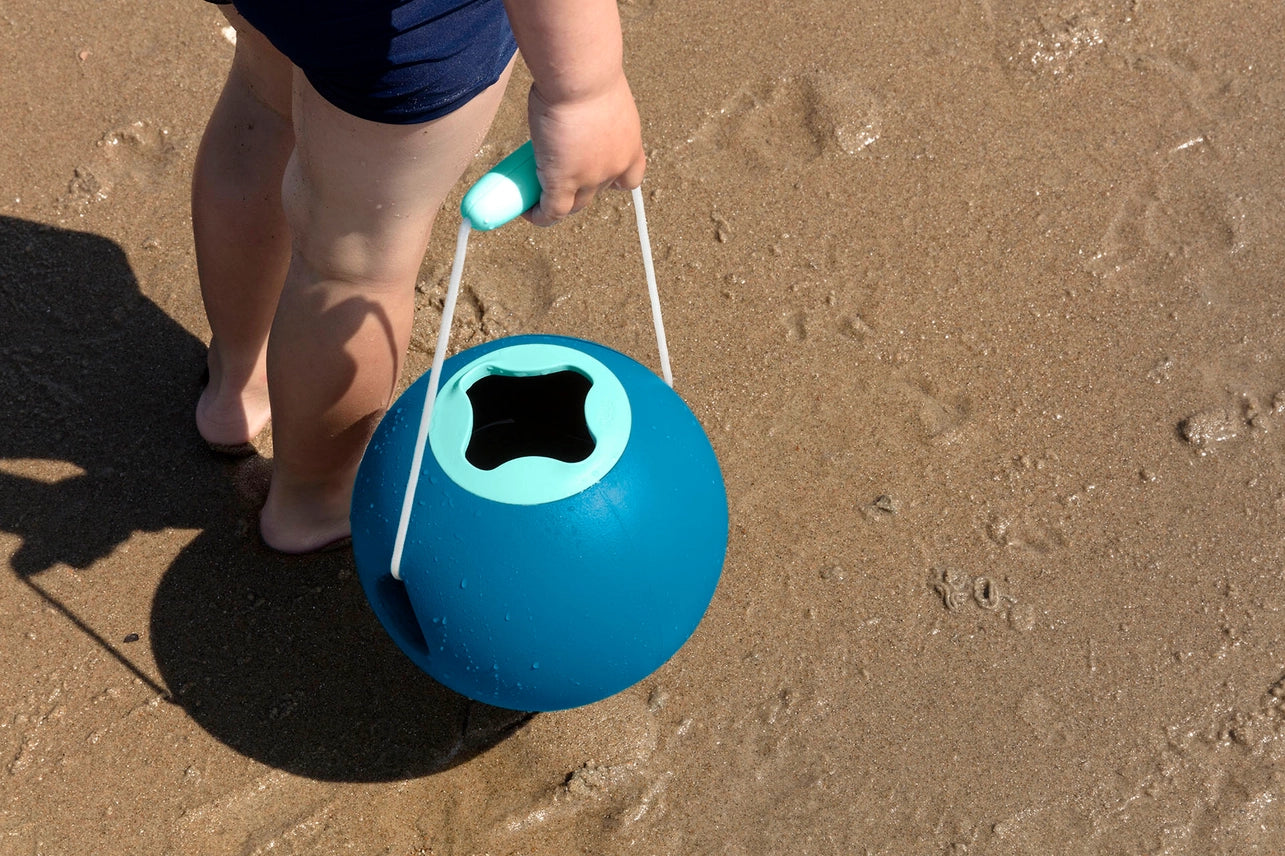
{"x":228,"y":414}
{"x":304,"y":521}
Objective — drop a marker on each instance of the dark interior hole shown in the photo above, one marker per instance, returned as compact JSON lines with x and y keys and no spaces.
{"x":534,"y":415}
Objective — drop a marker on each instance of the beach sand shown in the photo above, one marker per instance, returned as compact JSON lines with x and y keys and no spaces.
{"x":981,"y":305}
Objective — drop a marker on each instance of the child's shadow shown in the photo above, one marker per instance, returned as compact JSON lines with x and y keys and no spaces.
{"x":280,"y":659}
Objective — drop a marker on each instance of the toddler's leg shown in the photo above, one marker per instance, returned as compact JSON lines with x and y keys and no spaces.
{"x":242,"y":240}
{"x":360,"y":198}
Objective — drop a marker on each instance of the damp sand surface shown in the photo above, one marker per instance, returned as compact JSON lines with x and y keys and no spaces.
{"x":981,"y":306}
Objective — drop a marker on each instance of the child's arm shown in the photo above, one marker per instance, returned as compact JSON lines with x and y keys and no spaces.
{"x":582,"y":116}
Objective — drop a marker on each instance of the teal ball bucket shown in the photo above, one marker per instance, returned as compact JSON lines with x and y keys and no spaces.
{"x":568,"y":527}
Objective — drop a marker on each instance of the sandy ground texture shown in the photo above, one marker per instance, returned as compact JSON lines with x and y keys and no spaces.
{"x":981,"y":304}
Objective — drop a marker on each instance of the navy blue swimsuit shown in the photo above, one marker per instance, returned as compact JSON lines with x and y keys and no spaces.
{"x":392,"y":61}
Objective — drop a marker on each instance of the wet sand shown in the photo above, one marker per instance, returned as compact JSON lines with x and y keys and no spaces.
{"x":981,"y":305}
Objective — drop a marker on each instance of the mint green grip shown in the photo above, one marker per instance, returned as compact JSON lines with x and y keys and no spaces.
{"x":503,"y":193}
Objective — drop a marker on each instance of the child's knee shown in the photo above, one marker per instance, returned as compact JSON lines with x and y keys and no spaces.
{"x":313,"y":239}
{"x":346,"y":239}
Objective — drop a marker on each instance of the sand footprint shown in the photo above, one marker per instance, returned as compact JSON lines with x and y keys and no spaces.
{"x":140,"y":154}
{"x":1184,"y":217}
{"x":786,"y":122}
{"x":1054,"y":43}
{"x":942,"y":415}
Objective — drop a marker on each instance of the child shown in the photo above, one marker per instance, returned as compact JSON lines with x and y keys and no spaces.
{"x":325,"y":161}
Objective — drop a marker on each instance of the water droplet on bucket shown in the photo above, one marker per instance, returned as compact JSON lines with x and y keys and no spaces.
{"x":535,"y":665}
{"x":463,"y":584}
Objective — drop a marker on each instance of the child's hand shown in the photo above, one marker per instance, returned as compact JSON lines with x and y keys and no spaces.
{"x":583,"y":146}
{"x":584,"y":125}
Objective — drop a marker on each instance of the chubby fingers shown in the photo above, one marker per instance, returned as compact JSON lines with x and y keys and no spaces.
{"x":558,"y":204}
{"x":558,"y":200}
{"x":573,"y":168}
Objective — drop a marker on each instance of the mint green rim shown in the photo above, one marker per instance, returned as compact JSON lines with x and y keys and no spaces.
{"x":530,"y":480}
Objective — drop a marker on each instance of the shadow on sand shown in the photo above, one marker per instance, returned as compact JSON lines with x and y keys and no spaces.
{"x":280,"y":659}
